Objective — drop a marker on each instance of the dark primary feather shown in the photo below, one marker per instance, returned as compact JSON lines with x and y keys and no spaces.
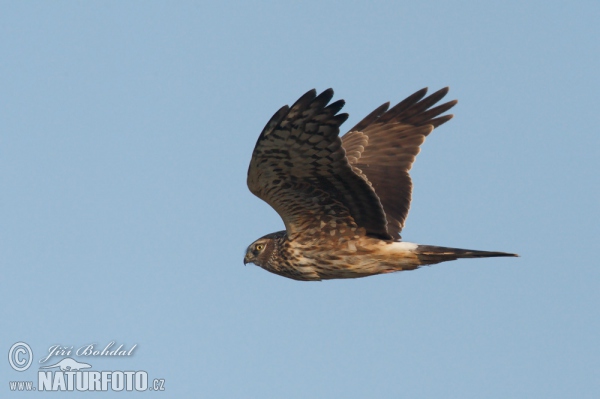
{"x":382,"y":148}
{"x":299,"y":167}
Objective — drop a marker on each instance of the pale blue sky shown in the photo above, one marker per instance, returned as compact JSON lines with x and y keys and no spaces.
{"x":126,"y":128}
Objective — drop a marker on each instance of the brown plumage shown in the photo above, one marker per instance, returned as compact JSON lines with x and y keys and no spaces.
{"x":343,"y":201}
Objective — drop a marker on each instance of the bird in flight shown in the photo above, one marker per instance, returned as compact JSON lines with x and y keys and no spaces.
{"x":344,"y":200}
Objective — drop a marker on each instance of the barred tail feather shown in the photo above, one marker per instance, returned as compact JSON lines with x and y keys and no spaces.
{"x":429,"y":254}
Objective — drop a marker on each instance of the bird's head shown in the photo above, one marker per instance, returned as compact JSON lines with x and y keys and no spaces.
{"x":259,"y":252}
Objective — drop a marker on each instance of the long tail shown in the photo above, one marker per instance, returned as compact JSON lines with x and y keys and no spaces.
{"x":429,"y":254}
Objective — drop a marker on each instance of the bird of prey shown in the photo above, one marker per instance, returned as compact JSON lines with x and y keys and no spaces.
{"x":344,"y":200}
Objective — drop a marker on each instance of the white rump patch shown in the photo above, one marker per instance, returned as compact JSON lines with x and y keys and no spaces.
{"x":400,"y":247}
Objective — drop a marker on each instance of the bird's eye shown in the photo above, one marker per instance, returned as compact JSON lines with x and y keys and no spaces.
{"x":259,"y":247}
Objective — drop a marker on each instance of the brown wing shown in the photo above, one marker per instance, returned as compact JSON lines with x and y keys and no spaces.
{"x":299,"y":167}
{"x":383,"y":146}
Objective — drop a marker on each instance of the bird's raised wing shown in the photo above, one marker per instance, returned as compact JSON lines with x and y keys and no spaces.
{"x":383,"y":146}
{"x":299,"y":167}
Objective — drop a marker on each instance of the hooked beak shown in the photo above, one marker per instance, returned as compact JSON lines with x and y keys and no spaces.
{"x":246,"y":260}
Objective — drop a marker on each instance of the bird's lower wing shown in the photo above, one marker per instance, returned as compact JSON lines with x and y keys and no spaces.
{"x":299,"y":167}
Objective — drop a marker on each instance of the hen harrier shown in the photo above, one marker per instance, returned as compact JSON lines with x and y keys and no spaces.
{"x":343,"y":201}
